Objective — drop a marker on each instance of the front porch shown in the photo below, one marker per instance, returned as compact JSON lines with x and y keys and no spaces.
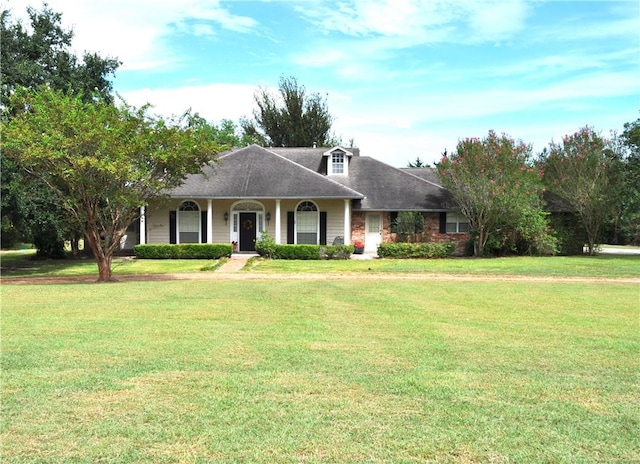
{"x":288,"y":221}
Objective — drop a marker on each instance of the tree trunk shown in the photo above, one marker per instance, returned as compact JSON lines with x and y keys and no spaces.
{"x":479,"y":243}
{"x":75,"y":244}
{"x":103,"y":257}
{"x":591,"y":244}
{"x":592,"y":229}
{"x":104,"y":269}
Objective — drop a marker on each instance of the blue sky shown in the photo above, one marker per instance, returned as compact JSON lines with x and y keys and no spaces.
{"x":403,"y":78}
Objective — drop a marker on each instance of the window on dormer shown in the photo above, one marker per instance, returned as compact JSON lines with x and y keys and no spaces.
{"x":338,"y":163}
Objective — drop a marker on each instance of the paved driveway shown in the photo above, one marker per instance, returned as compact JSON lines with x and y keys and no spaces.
{"x":605,"y":250}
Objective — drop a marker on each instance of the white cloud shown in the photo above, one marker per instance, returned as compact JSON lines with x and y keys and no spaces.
{"x":394,"y":112}
{"x":496,"y":20}
{"x":420,"y":22}
{"x":213,"y":102}
{"x":379,"y":17}
{"x":622,"y":24}
{"x":365,"y":34}
{"x":133,"y":31}
{"x":397,"y":128}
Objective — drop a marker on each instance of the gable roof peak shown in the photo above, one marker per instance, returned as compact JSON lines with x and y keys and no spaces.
{"x":337,"y":148}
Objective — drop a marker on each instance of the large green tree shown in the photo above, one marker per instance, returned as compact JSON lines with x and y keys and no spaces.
{"x":42,"y":54}
{"x":494,"y":185}
{"x":579,"y":171}
{"x":226,"y":133}
{"x":291,"y":119}
{"x":630,"y":211}
{"x":32,"y":56}
{"x":102,"y":161}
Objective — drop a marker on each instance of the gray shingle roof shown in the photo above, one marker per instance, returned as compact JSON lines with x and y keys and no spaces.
{"x":428,"y":174}
{"x":309,"y":157}
{"x":384,"y":187}
{"x":392,"y":189}
{"x":255,"y":172}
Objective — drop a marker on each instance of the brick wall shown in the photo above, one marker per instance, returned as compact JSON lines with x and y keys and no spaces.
{"x":431,"y":231}
{"x":358,"y":226}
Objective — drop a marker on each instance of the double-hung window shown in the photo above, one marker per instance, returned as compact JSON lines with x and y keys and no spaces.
{"x":457,"y":223}
{"x":307,"y":223}
{"x":189,"y":223}
{"x":337,"y":162}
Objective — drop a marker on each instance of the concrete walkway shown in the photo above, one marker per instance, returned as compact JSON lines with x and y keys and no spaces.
{"x":236,"y":262}
{"x":239,"y":260}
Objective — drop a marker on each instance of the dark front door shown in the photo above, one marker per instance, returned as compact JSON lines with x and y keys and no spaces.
{"x":247,"y":232}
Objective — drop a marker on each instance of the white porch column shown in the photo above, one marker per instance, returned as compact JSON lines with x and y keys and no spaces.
{"x":347,"y":222}
{"x":277,"y":219}
{"x":209,"y":221}
{"x":143,"y":227}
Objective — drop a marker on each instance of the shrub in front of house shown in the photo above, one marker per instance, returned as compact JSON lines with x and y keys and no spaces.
{"x":267,"y":249}
{"x":297,"y":252}
{"x":183,"y":251}
{"x":266,"y":245}
{"x":336,"y":251}
{"x":415,"y":250}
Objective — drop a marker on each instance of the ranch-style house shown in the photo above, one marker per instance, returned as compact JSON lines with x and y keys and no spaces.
{"x":299,"y":196}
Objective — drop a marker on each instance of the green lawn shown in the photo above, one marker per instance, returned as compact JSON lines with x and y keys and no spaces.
{"x":20,"y":264}
{"x":611,"y":266}
{"x":329,"y":370}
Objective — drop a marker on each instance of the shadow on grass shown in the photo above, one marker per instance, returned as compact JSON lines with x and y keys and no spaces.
{"x":23,"y":263}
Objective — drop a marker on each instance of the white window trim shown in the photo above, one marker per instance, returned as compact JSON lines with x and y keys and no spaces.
{"x":295,"y":228}
{"x":346,"y":157}
{"x":457,"y":219}
{"x":178,"y":220}
{"x":333,"y":164}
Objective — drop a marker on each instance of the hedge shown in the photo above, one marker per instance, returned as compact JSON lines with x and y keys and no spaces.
{"x":296,"y":252}
{"x":415,"y":250}
{"x":336,"y":251}
{"x":183,"y":251}
{"x":304,"y":252}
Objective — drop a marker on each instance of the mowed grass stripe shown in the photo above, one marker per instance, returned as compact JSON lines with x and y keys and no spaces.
{"x":16,"y":265}
{"x":328,"y":371}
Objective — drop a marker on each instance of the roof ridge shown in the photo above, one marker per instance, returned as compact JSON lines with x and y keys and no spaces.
{"x":299,"y":166}
{"x":314,"y":172}
{"x":406,"y":171}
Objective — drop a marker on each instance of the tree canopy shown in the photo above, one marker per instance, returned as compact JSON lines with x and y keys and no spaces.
{"x":291,"y":119}
{"x":43,"y":55}
{"x":418,"y":163}
{"x":33,"y":56}
{"x":102,"y":161}
{"x":630,"y":198}
{"x":578,"y":170}
{"x":225,"y":134}
{"x":494,"y":185}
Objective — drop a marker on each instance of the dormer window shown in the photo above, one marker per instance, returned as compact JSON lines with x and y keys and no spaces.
{"x":337,"y":161}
